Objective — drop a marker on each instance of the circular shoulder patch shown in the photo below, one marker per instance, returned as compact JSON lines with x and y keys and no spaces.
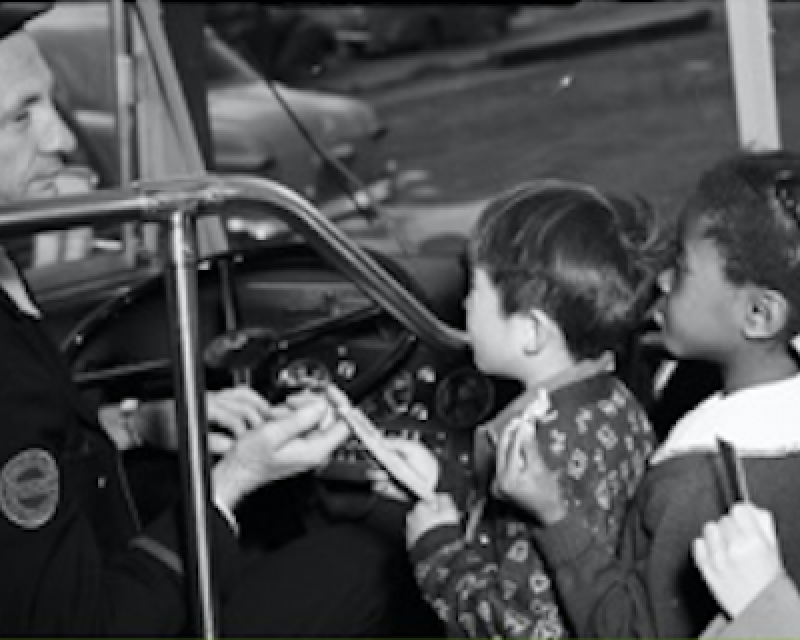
{"x":29,"y":488}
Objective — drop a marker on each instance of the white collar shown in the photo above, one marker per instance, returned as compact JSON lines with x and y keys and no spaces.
{"x":11,"y":282}
{"x":762,"y":421}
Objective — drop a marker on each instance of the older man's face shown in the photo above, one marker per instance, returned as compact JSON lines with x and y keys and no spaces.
{"x":33,"y":137}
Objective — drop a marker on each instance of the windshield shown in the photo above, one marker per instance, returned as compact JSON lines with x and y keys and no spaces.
{"x":398,"y":123}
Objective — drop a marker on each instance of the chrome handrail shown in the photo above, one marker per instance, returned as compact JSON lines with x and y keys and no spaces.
{"x":335,"y":246}
{"x":150,"y":200}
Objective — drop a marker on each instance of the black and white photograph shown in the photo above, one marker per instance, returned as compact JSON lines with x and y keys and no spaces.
{"x":400,"y":320}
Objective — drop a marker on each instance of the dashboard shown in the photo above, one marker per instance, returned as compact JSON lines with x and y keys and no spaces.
{"x":306,"y":321}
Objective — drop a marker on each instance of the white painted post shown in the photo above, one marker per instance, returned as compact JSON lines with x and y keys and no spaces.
{"x":750,"y":41}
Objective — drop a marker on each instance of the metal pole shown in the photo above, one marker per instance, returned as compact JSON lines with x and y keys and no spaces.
{"x":181,"y":274}
{"x":211,"y":236}
{"x":120,"y":41}
{"x":750,"y":41}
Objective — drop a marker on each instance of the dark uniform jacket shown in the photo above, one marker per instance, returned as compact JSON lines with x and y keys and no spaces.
{"x":74,"y":558}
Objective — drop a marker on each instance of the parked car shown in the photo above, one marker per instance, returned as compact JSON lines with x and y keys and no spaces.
{"x":327,"y":147}
{"x":283,"y":42}
{"x":379,"y":29}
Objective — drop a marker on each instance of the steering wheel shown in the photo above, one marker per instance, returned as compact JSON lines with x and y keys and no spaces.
{"x":244,"y":352}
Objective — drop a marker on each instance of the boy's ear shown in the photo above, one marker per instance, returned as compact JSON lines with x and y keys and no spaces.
{"x":766,"y":313}
{"x":535,"y":328}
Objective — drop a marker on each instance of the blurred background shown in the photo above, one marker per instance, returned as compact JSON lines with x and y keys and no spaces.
{"x":634,"y":96}
{"x":419,"y":113}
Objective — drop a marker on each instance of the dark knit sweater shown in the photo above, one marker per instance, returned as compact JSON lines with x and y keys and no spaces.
{"x":651,"y":586}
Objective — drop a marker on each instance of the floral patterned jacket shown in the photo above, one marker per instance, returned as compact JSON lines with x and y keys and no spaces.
{"x":489,"y":580}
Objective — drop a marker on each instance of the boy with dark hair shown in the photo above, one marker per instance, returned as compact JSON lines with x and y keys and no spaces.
{"x":558,"y":281}
{"x":731,"y":298}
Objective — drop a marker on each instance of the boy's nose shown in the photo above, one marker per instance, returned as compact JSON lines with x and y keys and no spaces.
{"x":665,"y":280}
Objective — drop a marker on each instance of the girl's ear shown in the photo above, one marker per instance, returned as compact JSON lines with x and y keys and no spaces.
{"x":766,"y":313}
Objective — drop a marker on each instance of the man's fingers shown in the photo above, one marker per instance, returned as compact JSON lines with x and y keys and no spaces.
{"x":279,"y":411}
{"x":317,"y":448}
{"x":237,"y":409}
{"x":219,"y":444}
{"x":300,"y":421}
{"x":248,"y":397}
{"x":227,"y":419}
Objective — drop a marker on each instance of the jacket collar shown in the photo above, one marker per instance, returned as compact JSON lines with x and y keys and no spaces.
{"x":760,"y":422}
{"x":530,"y":402}
{"x":580,"y":371}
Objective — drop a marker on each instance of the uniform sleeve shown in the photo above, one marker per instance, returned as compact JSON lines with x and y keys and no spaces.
{"x":479,"y":598}
{"x":66,"y":572}
{"x":138,"y":591}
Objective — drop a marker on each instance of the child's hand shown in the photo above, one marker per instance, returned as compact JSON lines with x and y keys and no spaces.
{"x":522,"y":477}
{"x":738,"y":556}
{"x":429,"y":515}
{"x":418,"y":456}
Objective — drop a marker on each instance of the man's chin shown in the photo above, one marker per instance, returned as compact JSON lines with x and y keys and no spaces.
{"x":75,"y":180}
{"x":42,"y":190}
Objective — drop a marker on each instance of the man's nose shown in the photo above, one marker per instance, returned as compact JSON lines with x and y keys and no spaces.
{"x":55,"y":135}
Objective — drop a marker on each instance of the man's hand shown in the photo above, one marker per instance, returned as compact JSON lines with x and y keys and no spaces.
{"x":738,"y":556}
{"x":522,"y":477}
{"x":425,"y":516}
{"x":296,"y":438}
{"x":233,"y":411}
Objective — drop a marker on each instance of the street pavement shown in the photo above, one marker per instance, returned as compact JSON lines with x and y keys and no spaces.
{"x":537,"y":33}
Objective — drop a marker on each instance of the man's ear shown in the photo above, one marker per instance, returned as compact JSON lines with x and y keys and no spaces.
{"x":766,"y":313}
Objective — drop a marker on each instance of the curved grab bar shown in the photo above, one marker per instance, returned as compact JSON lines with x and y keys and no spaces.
{"x":152,"y":201}
{"x":335,"y":246}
